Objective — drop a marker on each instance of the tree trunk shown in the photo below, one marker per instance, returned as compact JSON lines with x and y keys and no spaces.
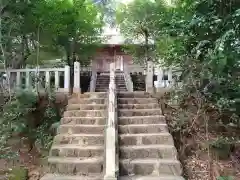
{"x":146,"y":46}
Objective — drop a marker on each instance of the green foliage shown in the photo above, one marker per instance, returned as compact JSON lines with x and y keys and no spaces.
{"x":18,"y":173}
{"x":225,"y":178}
{"x":31,"y":32}
{"x":222,"y":147}
{"x":28,"y":115}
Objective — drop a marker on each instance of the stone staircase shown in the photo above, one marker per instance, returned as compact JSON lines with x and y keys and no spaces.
{"x":102,"y":83}
{"x":77,"y":152}
{"x":146,"y":147}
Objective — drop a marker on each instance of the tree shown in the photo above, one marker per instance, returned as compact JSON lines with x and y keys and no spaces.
{"x":30,"y":29}
{"x":136,"y":20}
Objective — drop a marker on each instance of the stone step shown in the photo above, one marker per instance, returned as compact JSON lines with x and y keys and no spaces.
{"x":86,"y":107}
{"x":138,"y":106}
{"x":79,"y":139}
{"x":99,"y":83}
{"x":153,"y":167}
{"x":84,"y":120}
{"x":105,"y":90}
{"x":65,"y":177}
{"x":161,"y":177}
{"x":142,"y":128}
{"x":145,"y":139}
{"x":85,"y":113}
{"x":136,"y":100}
{"x":87,"y":101}
{"x":158,"y":119}
{"x":72,"y":150}
{"x":90,"y":95}
{"x":139,"y":94}
{"x":76,"y":166}
{"x":139,"y":112}
{"x":148,"y":151}
{"x":81,"y":129}
{"x":103,"y":79}
{"x":121,"y":90}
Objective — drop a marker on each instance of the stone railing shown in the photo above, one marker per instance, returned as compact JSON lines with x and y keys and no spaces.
{"x":93,"y":80}
{"x":31,"y":78}
{"x":128,"y":80}
{"x":41,"y":78}
{"x":111,"y":136}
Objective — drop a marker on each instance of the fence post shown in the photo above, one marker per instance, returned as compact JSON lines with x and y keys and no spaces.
{"x":47,"y":79}
{"x":76,"y":86}
{"x":18,"y":79}
{"x":27,"y":81}
{"x":56,"y":77}
{"x":149,"y":77}
{"x":37,"y":83}
{"x":170,"y":77}
{"x":67,"y":79}
{"x":159,"y":79}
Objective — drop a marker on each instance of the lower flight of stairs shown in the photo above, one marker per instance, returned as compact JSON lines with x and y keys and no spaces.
{"x":147,"y":150}
{"x":77,"y":152}
{"x":102,"y":82}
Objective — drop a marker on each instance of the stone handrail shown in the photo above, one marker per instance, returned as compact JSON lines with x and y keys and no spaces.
{"x":93,"y":81}
{"x":128,"y":80}
{"x":31,"y":77}
{"x":111,"y":136}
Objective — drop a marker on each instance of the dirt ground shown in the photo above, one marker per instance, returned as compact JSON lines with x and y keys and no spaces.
{"x":34,"y":162}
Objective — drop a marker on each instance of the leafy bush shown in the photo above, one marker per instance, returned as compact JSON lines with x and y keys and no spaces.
{"x":225,"y":178}
{"x":29,"y":115}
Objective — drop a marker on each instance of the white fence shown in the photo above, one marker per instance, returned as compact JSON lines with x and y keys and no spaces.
{"x":59,"y":78}
{"x":38,"y":77}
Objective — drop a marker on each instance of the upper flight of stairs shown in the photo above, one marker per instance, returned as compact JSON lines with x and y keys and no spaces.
{"x":77,"y":152}
{"x":146,"y":147}
{"x":102,"y":83}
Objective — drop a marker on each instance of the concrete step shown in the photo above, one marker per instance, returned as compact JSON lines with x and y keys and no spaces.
{"x":97,"y":90}
{"x":121,"y":89}
{"x":136,"y":100}
{"x":158,"y":119}
{"x":162,"y":177}
{"x":85,"y":113}
{"x":145,"y":139}
{"x":140,"y":94}
{"x":138,"y":106}
{"x":76,"y":166}
{"x":87,"y":101}
{"x":86,"y":107}
{"x":65,"y":177}
{"x":79,"y":139}
{"x":81,"y":129}
{"x":148,"y":151}
{"x":139,"y":112}
{"x":99,"y":83}
{"x":72,"y":150}
{"x":153,"y":167}
{"x":84,"y":120}
{"x":142,"y":128}
{"x":90,"y":95}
